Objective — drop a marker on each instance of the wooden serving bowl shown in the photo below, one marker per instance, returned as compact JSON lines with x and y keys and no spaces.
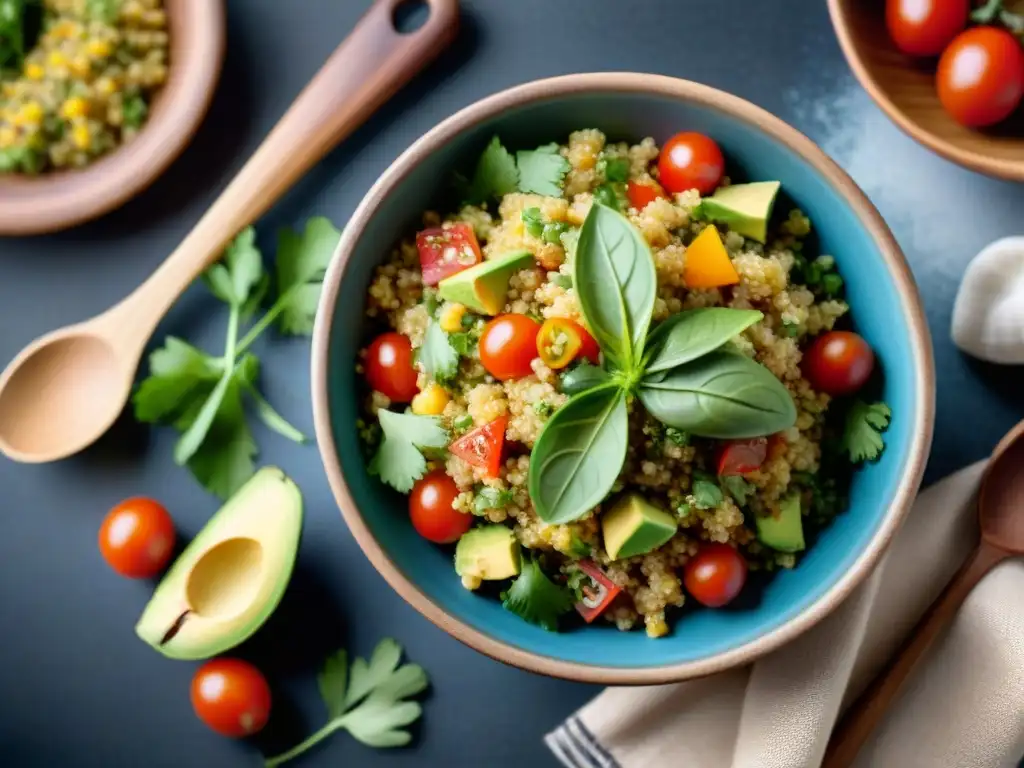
{"x":904,"y":88}
{"x":31,"y":205}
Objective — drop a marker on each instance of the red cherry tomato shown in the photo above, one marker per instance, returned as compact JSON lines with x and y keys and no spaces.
{"x":738,"y":457}
{"x":981,"y":76}
{"x":641,"y":195}
{"x":508,"y":345}
{"x":598,"y":591}
{"x":838,"y":363}
{"x":389,"y":368}
{"x":431,"y":510}
{"x":925,"y":27}
{"x":483,"y":446}
{"x":137,"y":538}
{"x":690,"y":161}
{"x":715,"y":575}
{"x":231,"y":696}
{"x":447,"y":250}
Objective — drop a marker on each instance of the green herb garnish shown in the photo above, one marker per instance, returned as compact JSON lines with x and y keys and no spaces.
{"x":134,"y":111}
{"x":607,"y":195}
{"x":737,"y":487}
{"x":862,"y":436}
{"x":536,"y":599}
{"x":679,"y":373}
{"x":491,"y":498}
{"x":543,"y":408}
{"x":463,"y":422}
{"x":534,"y":221}
{"x":578,"y":548}
{"x":616,"y":169}
{"x":368,"y":699}
{"x":399,"y":461}
{"x":706,"y":495}
{"x":542,"y":171}
{"x":553,"y":232}
{"x":677,"y":436}
{"x":495,"y":176}
{"x":436,"y":355}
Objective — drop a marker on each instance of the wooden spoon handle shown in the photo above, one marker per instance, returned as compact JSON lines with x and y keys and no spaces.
{"x":367,"y":68}
{"x":865,"y":714}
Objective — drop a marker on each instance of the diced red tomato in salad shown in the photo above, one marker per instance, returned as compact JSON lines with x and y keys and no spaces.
{"x":738,"y":457}
{"x":483,"y":446}
{"x":598,"y":594}
{"x":641,"y":195}
{"x":447,"y":250}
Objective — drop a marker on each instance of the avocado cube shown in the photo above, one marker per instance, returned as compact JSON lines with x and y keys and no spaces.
{"x":490,"y":552}
{"x":483,"y":288}
{"x":784,"y":532}
{"x":634,"y":526}
{"x":744,"y":208}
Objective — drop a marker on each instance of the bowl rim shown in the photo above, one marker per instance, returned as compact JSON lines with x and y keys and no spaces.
{"x":58,"y":200}
{"x":635,"y":83}
{"x":968,"y":158}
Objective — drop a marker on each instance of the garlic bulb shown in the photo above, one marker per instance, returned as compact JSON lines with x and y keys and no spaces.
{"x":988,"y":317}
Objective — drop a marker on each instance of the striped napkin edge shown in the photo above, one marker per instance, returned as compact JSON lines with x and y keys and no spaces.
{"x":576,"y":747}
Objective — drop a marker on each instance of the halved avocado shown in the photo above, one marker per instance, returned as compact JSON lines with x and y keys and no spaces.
{"x":232,"y":575}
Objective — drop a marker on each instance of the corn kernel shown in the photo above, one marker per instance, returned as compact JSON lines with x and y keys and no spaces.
{"x":81,"y":136}
{"x":31,"y":113}
{"x":7,"y":137}
{"x":451,"y":317}
{"x":56,"y":59}
{"x":74,"y":107}
{"x":34,"y":71}
{"x":81,"y":66}
{"x":431,"y":401}
{"x":101,"y":49}
{"x":105,"y":86}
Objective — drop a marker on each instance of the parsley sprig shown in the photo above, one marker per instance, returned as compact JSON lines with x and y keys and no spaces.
{"x":367,"y":699}
{"x":536,"y":599}
{"x":399,"y":460}
{"x":202,"y":395}
{"x":862,"y":435}
{"x":540,"y":171}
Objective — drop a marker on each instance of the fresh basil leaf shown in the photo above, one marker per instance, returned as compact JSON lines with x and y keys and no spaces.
{"x":581,"y":378}
{"x":579,"y":454}
{"x":613,"y":273}
{"x":723,"y":395}
{"x":688,"y":335}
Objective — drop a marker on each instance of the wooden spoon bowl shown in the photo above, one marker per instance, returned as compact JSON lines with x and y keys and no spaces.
{"x":31,"y":205}
{"x":904,"y":88}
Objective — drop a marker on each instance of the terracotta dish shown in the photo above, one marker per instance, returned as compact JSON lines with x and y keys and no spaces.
{"x":905,"y":90}
{"x":55,"y":201}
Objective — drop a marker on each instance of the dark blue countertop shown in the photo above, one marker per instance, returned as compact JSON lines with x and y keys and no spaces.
{"x":77,"y":688}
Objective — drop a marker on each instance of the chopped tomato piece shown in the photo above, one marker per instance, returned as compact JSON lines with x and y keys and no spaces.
{"x":738,"y":457}
{"x":598,"y":592}
{"x":640,"y":195}
{"x":447,"y":250}
{"x":707,"y":262}
{"x":483,"y":446}
{"x":560,"y":341}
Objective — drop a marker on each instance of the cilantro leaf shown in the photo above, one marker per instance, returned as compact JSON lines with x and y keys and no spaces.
{"x":134,"y":111}
{"x":677,"y":436}
{"x":223,"y":461}
{"x":533,"y":220}
{"x":463,"y":342}
{"x":542,"y":171}
{"x":302,"y":260}
{"x":533,"y":597}
{"x":616,"y":169}
{"x":436,"y":356}
{"x":706,"y":495}
{"x":495,"y":175}
{"x":176,"y":371}
{"x":491,"y":498}
{"x":233,"y":278}
{"x":737,"y":487}
{"x":398,"y":461}
{"x":862,"y":438}
{"x":369,"y":700}
{"x":579,"y":548}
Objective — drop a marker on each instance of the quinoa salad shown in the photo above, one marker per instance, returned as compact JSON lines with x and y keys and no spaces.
{"x":614,"y":382}
{"x":77,"y":78}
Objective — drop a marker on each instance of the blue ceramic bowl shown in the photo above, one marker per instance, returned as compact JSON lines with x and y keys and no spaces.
{"x":758,"y":146}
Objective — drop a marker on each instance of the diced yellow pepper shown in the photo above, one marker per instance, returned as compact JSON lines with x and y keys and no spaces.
{"x":81,"y":136}
{"x":56,"y":59}
{"x":101,"y":49}
{"x":74,"y":107}
{"x":431,"y":401}
{"x":451,"y":317}
{"x":707,"y":262}
{"x":34,"y":71}
{"x":31,"y":113}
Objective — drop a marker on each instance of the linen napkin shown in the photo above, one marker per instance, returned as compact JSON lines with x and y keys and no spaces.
{"x":963,"y":707}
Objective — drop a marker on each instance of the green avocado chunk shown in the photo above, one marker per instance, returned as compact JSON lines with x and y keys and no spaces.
{"x":231,"y":576}
{"x":483,"y":287}
{"x":784,"y":533}
{"x":744,"y":208}
{"x":490,"y":553}
{"x":634,"y":526}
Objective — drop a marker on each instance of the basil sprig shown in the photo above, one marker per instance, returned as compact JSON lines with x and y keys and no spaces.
{"x":678,"y":370}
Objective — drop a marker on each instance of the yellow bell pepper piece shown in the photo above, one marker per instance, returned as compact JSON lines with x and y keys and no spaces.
{"x":707,"y":262}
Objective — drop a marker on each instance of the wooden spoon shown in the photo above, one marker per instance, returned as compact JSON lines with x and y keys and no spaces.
{"x":1001,"y":513}
{"x":65,"y":389}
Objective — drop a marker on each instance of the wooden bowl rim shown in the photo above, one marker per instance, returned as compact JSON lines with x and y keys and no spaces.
{"x":31,"y":205}
{"x":969,"y":158}
{"x":734,"y":106}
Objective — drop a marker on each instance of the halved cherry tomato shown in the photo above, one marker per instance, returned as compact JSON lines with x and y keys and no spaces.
{"x":715,"y":575}
{"x":838,"y":363}
{"x":447,"y":250}
{"x":925,"y":27}
{"x":981,"y":76}
{"x":640,"y":195}
{"x":483,"y":446}
{"x":231,"y":696}
{"x":137,"y":538}
{"x":508,"y":345}
{"x":431,"y":510}
{"x":738,"y":457}
{"x":690,"y":161}
{"x":389,"y":368}
{"x":560,"y":341}
{"x":598,"y":594}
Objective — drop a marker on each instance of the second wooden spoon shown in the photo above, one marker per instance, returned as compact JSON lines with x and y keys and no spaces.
{"x":65,"y":389}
